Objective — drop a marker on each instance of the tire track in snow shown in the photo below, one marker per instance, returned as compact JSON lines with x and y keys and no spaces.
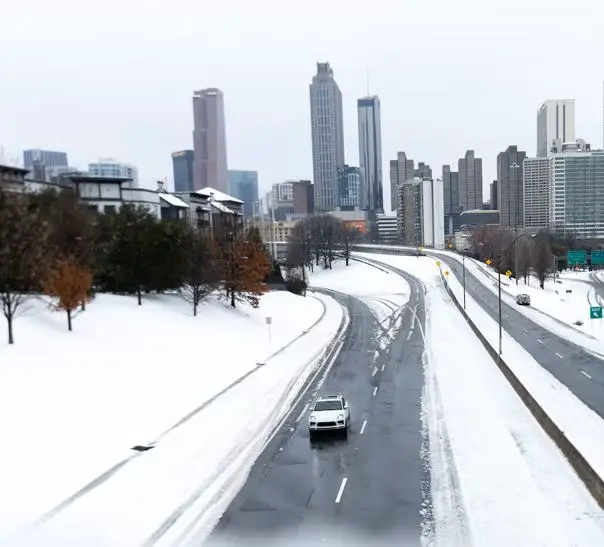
{"x":106,"y":475}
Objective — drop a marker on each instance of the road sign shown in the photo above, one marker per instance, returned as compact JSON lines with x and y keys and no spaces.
{"x":450,"y":245}
{"x":269,"y":320}
{"x":509,"y":273}
{"x":488,"y":261}
{"x":447,"y":273}
{"x":597,"y":258}
{"x":438,"y":263}
{"x":595,"y":312}
{"x":577,"y":258}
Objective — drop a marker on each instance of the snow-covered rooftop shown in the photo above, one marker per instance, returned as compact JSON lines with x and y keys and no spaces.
{"x":173,"y":200}
{"x":217,"y":194}
{"x":222,"y":208}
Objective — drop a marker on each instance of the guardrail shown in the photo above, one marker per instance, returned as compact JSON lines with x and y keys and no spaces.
{"x":584,"y":470}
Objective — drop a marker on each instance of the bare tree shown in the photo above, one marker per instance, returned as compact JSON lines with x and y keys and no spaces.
{"x":22,"y":240}
{"x":347,"y":236}
{"x":523,"y":253}
{"x":542,"y":257}
{"x":200,"y":274}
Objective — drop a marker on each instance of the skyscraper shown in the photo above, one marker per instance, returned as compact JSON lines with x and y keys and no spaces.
{"x":370,"y":154}
{"x":555,"y":122}
{"x":244,"y":186}
{"x":327,"y":131}
{"x":401,"y":170}
{"x":451,"y":199}
{"x":470,"y":181}
{"x":510,"y":187}
{"x":349,"y":187}
{"x":182,"y":165}
{"x":209,"y":141}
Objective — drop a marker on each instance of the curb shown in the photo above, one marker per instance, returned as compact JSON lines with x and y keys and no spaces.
{"x":592,"y":481}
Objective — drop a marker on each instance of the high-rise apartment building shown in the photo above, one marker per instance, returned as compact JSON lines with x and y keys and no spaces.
{"x":401,"y":170}
{"x":577,"y":191}
{"x":108,"y":167}
{"x":209,"y":141}
{"x":450,"y":182}
{"x":349,"y":187}
{"x":182,"y":166}
{"x":470,"y":181}
{"x":244,"y":186}
{"x":420,"y":216}
{"x":327,"y":131}
{"x":537,"y":189}
{"x":494,"y":198}
{"x":370,"y":154}
{"x":555,"y":122}
{"x":510,"y":198}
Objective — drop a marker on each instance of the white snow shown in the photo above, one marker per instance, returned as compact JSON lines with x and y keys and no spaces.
{"x":73,"y":404}
{"x":490,"y":459}
{"x":173,"y":200}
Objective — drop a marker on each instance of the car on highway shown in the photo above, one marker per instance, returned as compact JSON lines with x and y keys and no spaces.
{"x":330,"y":413}
{"x":523,"y":300}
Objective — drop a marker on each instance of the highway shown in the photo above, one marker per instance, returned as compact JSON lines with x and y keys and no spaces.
{"x":373,"y":486}
{"x":580,"y":371}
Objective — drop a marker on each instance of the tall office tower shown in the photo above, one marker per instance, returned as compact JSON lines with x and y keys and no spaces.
{"x":423,"y":171}
{"x":209,"y":141}
{"x":409,"y":212}
{"x":244,"y":186}
{"x":182,"y":166}
{"x":370,"y":154}
{"x":537,"y":191}
{"x":510,"y":188}
{"x":108,"y":167}
{"x":41,"y":163}
{"x":470,"y":182}
{"x":450,"y":184}
{"x":401,"y":170}
{"x":349,"y":187}
{"x":555,"y":121}
{"x":494,"y":196}
{"x":327,"y":131}
{"x":304,"y":199}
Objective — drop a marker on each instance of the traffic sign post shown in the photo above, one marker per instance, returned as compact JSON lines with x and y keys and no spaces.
{"x":597,"y":258}
{"x":576,"y":258}
{"x":595,"y":312}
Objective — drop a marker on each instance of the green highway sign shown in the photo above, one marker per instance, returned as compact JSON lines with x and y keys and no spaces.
{"x":595,"y":312}
{"x":597,"y":258}
{"x":577,"y":258}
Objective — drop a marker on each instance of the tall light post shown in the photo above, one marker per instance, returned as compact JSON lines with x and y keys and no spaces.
{"x":514,"y":166}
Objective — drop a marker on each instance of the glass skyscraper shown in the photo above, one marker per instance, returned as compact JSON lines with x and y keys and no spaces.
{"x":244,"y":186}
{"x":182,"y":165}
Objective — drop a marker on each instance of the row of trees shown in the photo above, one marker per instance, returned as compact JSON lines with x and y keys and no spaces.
{"x":51,"y":244}
{"x":317,"y":240}
{"x":519,"y":254}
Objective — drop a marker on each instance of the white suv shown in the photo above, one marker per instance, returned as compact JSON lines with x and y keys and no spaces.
{"x":331,"y":413}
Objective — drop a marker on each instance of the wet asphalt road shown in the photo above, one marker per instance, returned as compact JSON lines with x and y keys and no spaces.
{"x":580,"y":371}
{"x":372,"y":485}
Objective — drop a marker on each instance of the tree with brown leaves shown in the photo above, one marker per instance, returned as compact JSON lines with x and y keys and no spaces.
{"x":245,"y":265}
{"x":69,"y":283}
{"x":22,"y":241}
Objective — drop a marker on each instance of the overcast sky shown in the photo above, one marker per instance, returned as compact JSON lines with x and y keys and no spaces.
{"x":115,"y":78}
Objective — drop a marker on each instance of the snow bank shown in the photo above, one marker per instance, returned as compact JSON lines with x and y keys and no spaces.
{"x":73,"y":404}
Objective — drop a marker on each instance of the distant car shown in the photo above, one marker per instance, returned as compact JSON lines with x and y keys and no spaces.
{"x":523,"y":300}
{"x":331,"y":413}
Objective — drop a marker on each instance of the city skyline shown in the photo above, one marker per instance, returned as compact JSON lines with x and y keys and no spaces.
{"x":268,"y":131}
